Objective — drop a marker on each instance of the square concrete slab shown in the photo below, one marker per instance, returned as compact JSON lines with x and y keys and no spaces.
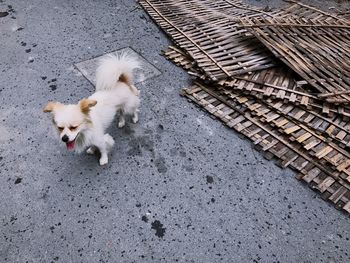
{"x":147,"y":70}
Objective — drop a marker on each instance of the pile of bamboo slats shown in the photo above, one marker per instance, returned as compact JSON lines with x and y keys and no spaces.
{"x":279,"y":77}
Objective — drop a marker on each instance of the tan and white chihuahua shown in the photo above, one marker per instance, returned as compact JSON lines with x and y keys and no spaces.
{"x":83,"y":125}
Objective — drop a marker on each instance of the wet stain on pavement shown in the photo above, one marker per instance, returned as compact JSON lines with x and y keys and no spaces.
{"x":138,"y":144}
{"x":160,"y":128}
{"x":18,"y":180}
{"x":161,"y":165}
{"x":53,"y":87}
{"x":158,"y":226}
{"x":3,"y":14}
{"x":210,"y":179}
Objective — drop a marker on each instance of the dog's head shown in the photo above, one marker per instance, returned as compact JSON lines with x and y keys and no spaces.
{"x":70,"y":120}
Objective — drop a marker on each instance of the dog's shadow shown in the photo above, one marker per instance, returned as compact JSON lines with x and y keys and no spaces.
{"x":122,"y":137}
{"x":127,"y":130}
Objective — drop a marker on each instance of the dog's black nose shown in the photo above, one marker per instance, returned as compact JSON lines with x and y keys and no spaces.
{"x":65,"y":138}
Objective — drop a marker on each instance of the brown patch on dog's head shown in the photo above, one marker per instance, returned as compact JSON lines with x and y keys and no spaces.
{"x":86,"y":104}
{"x":51,"y":106}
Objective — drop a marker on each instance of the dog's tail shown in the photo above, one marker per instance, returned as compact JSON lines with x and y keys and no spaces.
{"x":114,"y":68}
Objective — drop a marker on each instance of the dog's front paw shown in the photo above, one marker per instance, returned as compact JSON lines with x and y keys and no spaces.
{"x":103,"y":160}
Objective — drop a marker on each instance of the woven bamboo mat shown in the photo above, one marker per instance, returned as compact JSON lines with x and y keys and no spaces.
{"x":277,"y":82}
{"x":299,"y":120}
{"x":317,"y":51}
{"x":319,"y":164}
{"x":210,"y":37}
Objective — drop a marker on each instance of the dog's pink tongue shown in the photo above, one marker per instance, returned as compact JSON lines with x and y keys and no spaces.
{"x":70,"y":145}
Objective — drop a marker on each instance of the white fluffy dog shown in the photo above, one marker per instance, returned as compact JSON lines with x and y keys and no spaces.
{"x":84,"y":124}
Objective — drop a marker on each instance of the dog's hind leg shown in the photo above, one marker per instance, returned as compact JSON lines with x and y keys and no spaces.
{"x":135,"y":117}
{"x":121,"y":122}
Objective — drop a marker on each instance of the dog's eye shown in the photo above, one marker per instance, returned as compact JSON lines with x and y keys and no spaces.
{"x":60,"y":128}
{"x":72,"y":128}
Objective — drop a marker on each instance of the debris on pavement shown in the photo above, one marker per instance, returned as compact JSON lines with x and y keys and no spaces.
{"x":3,"y":14}
{"x":279,"y":77}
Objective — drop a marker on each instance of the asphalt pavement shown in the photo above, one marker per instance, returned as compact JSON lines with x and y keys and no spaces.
{"x":179,"y":187}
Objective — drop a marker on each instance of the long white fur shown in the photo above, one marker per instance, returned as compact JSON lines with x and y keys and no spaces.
{"x":112,"y":96}
{"x":112,"y":66}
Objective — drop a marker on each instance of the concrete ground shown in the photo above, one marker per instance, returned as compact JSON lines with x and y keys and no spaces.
{"x":180,"y":187}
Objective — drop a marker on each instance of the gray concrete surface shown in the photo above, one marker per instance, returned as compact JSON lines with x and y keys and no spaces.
{"x":180,"y":187}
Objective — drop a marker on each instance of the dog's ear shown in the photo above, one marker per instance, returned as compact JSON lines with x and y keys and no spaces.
{"x":50,"y":106}
{"x":86,"y":104}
